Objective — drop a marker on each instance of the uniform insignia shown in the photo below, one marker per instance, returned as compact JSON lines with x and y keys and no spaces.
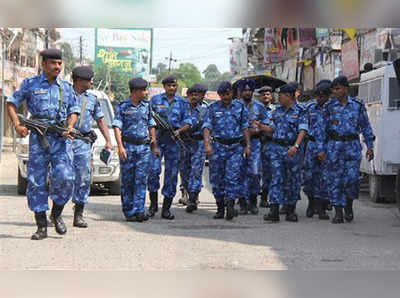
{"x":161,"y":106}
{"x":218,"y":113}
{"x":129,"y":112}
{"x":335,"y":121}
{"x":40,"y":91}
{"x":295,"y":116}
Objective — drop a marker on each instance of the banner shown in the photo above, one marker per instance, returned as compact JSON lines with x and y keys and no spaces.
{"x":350,"y":59}
{"x":238,"y":57}
{"x":368,"y":47}
{"x":307,"y":37}
{"x":321,"y":32}
{"x":128,"y":50}
{"x":281,"y":43}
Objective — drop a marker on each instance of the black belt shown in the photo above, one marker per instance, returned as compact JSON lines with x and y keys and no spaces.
{"x":333,"y":135}
{"x":228,"y":141}
{"x":256,"y":136}
{"x":135,"y":141}
{"x":283,"y":142}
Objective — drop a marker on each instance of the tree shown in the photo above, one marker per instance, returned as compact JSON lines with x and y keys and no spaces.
{"x":189,"y":74}
{"x":112,"y":81}
{"x":211,"y":73}
{"x":68,"y":57}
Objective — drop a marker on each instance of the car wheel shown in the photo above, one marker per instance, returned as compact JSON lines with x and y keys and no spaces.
{"x":114,"y":188}
{"x":22,"y":183}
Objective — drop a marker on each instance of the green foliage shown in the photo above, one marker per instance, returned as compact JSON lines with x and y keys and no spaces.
{"x":68,"y":57}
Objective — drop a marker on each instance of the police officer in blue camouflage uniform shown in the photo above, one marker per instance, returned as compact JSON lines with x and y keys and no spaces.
{"x":175,"y":109}
{"x":345,"y":118}
{"x":266,"y":98}
{"x":251,"y":167}
{"x":193,"y":159}
{"x":51,"y":100}
{"x":227,"y":123}
{"x":90,"y":110}
{"x":134,"y":129}
{"x":288,"y":126}
{"x":315,"y":173}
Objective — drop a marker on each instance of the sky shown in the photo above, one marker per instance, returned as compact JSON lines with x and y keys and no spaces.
{"x":200,"y":46}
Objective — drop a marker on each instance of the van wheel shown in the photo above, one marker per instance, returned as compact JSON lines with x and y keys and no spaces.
{"x":114,"y":188}
{"x":22,"y":183}
{"x":375,"y":185}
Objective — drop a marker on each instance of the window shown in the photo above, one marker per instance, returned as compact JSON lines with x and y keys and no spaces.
{"x":394,"y":93}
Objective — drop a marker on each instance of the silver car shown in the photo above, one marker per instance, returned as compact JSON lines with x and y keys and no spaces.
{"x":103,"y":176}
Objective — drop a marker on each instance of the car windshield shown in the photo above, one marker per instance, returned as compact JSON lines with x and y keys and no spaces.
{"x":105,"y":107}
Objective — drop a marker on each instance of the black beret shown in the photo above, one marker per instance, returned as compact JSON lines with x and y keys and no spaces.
{"x":137,"y":83}
{"x":83,"y":72}
{"x":288,"y":88}
{"x":341,"y":80}
{"x":323,"y":87}
{"x":265,"y":89}
{"x":200,"y":88}
{"x":171,"y":79}
{"x":246,"y":84}
{"x":223,"y":87}
{"x":51,"y":54}
{"x":191,"y":90}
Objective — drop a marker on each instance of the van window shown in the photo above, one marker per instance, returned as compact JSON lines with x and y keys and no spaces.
{"x":394,"y":93}
{"x":105,"y":107}
{"x":371,"y":91}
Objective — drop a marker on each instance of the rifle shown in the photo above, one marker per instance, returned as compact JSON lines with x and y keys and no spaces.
{"x":165,"y":126}
{"x":42,"y":128}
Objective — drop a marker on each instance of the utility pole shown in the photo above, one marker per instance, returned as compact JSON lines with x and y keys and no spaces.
{"x":80,"y":50}
{"x":169,"y":61}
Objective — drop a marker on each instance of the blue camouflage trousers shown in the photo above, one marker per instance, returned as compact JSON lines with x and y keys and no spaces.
{"x":171,"y":153}
{"x":286,"y":178}
{"x":225,"y":169}
{"x":134,"y":172}
{"x":82,"y":170}
{"x":251,"y":170}
{"x":192,"y":164}
{"x":59,"y":157}
{"x":266,"y":166}
{"x":314,"y":174}
{"x":343,"y":162}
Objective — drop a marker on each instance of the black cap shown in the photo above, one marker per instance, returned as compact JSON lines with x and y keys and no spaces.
{"x":137,"y":83}
{"x":323,"y":87}
{"x":288,"y":88}
{"x":341,"y":80}
{"x":223,"y":87}
{"x":83,"y":72}
{"x":171,"y":79}
{"x":51,"y":54}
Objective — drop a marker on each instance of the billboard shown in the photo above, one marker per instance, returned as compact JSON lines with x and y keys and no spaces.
{"x":128,"y":50}
{"x":350,"y":63}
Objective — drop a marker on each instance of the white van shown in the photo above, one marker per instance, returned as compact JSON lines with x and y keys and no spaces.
{"x":380,"y":91}
{"x":102,"y":175}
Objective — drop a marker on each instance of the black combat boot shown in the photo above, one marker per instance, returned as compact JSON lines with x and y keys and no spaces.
{"x":138,"y":217}
{"x":153,"y":208}
{"x":321,"y":206}
{"x":264,"y":199}
{"x":348,"y":211}
{"x":290,"y":214}
{"x":78,"y":216}
{"x":283,"y":209}
{"x":253,"y":204}
{"x":243,"y":206}
{"x":230,"y":210}
{"x":165,"y":212}
{"x":41,"y":222}
{"x":191,"y":203}
{"x":57,"y":220}
{"x":220,"y":210}
{"x":273,"y":214}
{"x":310,"y":207}
{"x":338,"y":219}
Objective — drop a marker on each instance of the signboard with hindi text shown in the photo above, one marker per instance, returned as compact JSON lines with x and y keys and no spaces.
{"x":128,"y":50}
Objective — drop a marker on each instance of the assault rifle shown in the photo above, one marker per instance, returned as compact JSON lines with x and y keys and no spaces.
{"x":42,"y":128}
{"x":163,"y":124}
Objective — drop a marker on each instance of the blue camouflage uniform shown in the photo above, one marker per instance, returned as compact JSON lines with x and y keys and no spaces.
{"x":134,"y":123}
{"x":178,"y":115}
{"x":226,"y":123}
{"x":286,"y":179}
{"x":43,"y":102}
{"x":315,"y":171}
{"x":266,"y":152}
{"x":344,"y":157}
{"x":251,"y":166}
{"x":192,"y":161}
{"x":82,"y":149}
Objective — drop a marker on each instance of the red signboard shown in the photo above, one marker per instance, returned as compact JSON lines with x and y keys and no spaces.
{"x":350,"y":64}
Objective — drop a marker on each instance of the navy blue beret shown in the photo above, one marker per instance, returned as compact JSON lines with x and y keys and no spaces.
{"x":341,"y":80}
{"x":137,"y":83}
{"x":323,"y":86}
{"x":83,"y":72}
{"x":51,"y":54}
{"x":288,"y":88}
{"x":200,"y":87}
{"x":246,"y":84}
{"x":295,"y":85}
{"x":223,"y":87}
{"x":171,"y":79}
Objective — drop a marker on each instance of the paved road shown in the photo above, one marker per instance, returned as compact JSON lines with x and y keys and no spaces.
{"x":195,"y":241}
